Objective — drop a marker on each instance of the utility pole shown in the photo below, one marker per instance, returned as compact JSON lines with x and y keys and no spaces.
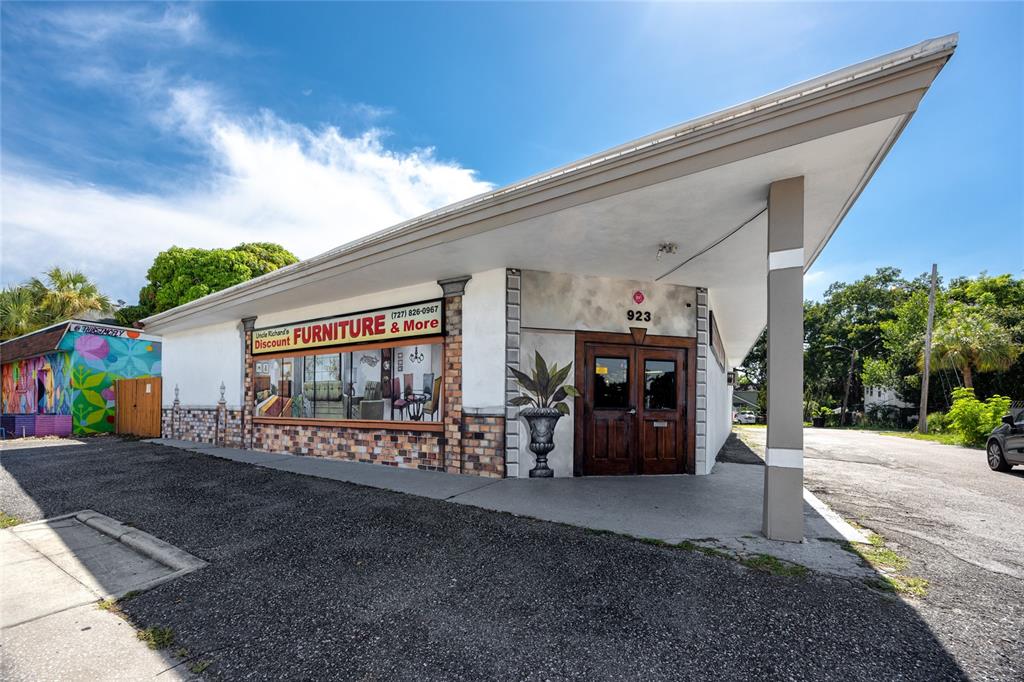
{"x":922,"y":418}
{"x":854,"y":354}
{"x":849,"y":382}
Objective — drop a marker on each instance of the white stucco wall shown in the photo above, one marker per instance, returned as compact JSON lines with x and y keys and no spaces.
{"x":198,"y":360}
{"x":483,"y":341}
{"x":380,"y":299}
{"x":600,"y":304}
{"x":719,"y":413}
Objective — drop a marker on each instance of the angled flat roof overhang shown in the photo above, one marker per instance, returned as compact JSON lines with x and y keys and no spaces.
{"x":702,"y":185}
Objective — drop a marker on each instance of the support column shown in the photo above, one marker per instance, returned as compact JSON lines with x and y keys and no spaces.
{"x":784,"y":476}
{"x":513,"y":303}
{"x":248,"y":387}
{"x":453,"y":289}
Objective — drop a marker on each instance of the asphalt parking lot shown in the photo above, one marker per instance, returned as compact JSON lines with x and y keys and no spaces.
{"x":311,"y":578}
{"x":960,"y":524}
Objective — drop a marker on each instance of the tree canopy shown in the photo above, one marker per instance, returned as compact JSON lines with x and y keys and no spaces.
{"x":179,"y":275}
{"x":58,"y":295}
{"x":977,"y":339}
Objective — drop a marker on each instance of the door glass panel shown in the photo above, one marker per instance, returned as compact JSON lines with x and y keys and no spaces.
{"x":611,"y":383}
{"x":659,"y":385}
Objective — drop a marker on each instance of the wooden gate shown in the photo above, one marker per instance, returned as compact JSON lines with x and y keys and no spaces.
{"x":138,"y":406}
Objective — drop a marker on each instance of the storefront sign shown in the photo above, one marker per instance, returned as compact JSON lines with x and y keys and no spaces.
{"x":103,"y":330}
{"x":408,"y":321}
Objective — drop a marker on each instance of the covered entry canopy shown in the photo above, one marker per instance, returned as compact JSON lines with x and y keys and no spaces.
{"x":701,"y":185}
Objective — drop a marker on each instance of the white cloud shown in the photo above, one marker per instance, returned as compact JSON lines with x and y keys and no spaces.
{"x":257,"y":177}
{"x":87,"y":26}
{"x":269,"y":180}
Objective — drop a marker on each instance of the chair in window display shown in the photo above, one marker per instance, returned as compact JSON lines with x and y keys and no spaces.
{"x":428,"y":384}
{"x":398,"y":401}
{"x":432,"y":405}
{"x":372,"y":404}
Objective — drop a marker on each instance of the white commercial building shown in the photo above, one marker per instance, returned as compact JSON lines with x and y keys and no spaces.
{"x":651,"y":267}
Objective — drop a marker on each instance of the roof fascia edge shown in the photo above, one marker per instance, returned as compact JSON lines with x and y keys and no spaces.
{"x":435,"y":222}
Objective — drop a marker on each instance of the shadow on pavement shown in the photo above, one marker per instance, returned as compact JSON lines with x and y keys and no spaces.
{"x":318,"y":578}
{"x":735,"y":451}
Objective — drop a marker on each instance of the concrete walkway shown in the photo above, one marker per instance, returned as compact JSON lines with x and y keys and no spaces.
{"x":53,"y":574}
{"x":722,"y":509}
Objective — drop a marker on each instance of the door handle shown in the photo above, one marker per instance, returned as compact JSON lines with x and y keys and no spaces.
{"x":632,"y":411}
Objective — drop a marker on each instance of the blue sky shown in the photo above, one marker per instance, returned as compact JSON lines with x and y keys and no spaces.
{"x":129,"y":128}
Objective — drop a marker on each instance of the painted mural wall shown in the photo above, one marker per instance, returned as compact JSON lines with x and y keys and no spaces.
{"x":97,"y":361}
{"x":78,"y":378}
{"x":39,"y":385}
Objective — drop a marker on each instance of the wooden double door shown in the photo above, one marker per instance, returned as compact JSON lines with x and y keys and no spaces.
{"x":137,"y":404}
{"x":635,"y":416}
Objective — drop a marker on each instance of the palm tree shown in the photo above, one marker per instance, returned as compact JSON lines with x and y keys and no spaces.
{"x":19,"y":312}
{"x":973,"y":342}
{"x":66,"y":294}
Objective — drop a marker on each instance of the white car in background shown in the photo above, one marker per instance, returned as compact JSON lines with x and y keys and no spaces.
{"x":745,"y":417}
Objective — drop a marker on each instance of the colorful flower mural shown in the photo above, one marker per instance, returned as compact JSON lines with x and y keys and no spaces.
{"x":97,"y":362}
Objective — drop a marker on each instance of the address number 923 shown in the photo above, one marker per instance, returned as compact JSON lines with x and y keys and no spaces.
{"x":638,"y":315}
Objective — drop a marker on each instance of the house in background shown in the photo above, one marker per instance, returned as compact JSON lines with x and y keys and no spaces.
{"x":744,"y":401}
{"x":60,"y":380}
{"x":884,"y":403}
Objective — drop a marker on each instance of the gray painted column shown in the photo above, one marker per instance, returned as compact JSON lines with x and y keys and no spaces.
{"x":703,"y":337}
{"x":513,"y":301}
{"x":784,"y":475}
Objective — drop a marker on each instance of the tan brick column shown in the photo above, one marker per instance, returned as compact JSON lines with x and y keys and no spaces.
{"x":453,"y":289}
{"x":248,"y":395}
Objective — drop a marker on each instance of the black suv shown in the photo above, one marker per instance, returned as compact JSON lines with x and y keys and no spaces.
{"x":1006,"y":444}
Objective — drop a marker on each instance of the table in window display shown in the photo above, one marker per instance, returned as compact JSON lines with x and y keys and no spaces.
{"x":414,"y":404}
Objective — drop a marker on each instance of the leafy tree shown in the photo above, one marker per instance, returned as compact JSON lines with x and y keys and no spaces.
{"x":19,"y":312}
{"x":59,"y":295}
{"x":971,"y":341}
{"x":850,"y":317}
{"x":884,"y":316}
{"x":179,"y":275}
{"x":971,"y":419}
{"x":63,"y":294}
{"x":1001,"y":298}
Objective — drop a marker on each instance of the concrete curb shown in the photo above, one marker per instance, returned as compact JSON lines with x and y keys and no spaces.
{"x":849,"y":533}
{"x":156,"y":549}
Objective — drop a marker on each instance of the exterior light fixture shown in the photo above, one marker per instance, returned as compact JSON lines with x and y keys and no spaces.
{"x":667,"y":248}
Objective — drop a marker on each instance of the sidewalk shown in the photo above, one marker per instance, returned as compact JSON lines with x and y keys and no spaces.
{"x":54,"y":573}
{"x":722,"y":509}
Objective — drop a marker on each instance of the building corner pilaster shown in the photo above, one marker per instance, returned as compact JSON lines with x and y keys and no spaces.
{"x":248,"y":395}
{"x":452,"y":457}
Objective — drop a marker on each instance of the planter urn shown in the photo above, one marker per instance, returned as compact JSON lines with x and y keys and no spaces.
{"x":541,"y":421}
{"x":818,"y":422}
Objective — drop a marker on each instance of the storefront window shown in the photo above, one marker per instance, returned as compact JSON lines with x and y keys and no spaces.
{"x":611,"y":383}
{"x":398,"y":383}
